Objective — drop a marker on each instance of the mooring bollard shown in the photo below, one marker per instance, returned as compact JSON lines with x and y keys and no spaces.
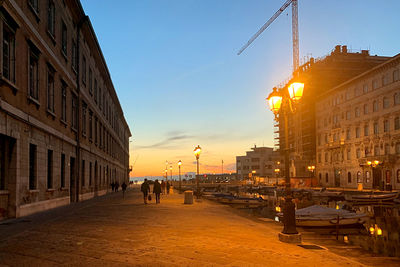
{"x":188,"y":197}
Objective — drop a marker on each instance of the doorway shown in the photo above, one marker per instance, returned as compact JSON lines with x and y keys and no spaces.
{"x":72,"y":179}
{"x":376,"y":178}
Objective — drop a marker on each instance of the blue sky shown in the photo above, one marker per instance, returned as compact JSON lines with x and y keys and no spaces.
{"x":180,"y":82}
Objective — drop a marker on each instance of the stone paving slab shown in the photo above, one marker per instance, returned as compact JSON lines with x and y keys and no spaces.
{"x":112,"y":231}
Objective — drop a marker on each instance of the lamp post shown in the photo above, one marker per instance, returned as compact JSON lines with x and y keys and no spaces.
{"x":180,"y":181}
{"x":282,"y":103}
{"x":166,"y":171}
{"x":311,"y":170}
{"x":197,"y":152}
{"x":170,"y":169}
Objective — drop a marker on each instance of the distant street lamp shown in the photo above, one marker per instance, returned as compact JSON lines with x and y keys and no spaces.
{"x":170,"y":169}
{"x":282,"y":103}
{"x":311,"y":169}
{"x":197,"y":152}
{"x":180,"y":181}
{"x":166,"y":175}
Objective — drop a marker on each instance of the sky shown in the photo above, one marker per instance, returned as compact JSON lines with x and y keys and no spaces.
{"x":180,"y":82}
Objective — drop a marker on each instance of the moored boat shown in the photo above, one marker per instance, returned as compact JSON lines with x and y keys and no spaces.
{"x":318,"y":216}
{"x":372,"y":197}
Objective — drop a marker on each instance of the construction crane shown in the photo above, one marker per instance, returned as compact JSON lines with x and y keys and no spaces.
{"x":295,"y":31}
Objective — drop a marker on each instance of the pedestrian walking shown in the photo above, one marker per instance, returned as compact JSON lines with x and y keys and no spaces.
{"x":112,"y":186}
{"x":157,"y":190}
{"x":145,"y":188}
{"x":168,"y":187}
{"x":163,"y":187}
{"x":123,"y":186}
{"x":116,"y":186}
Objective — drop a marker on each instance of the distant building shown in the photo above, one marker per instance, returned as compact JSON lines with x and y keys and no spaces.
{"x":63,"y":135}
{"x":261,"y":162}
{"x":358,"y":123}
{"x":319,"y":76}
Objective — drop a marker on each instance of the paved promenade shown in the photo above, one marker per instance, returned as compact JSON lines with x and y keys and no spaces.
{"x":112,"y":231}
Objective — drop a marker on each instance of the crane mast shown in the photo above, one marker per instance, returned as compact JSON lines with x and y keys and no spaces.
{"x":295,"y":31}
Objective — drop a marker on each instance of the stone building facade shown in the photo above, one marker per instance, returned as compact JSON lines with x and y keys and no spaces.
{"x":262,"y":160}
{"x":63,"y":135}
{"x":358,"y":130}
{"x":318,"y":75}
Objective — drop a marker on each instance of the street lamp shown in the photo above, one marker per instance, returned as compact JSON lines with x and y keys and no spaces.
{"x":282,"y":104}
{"x":197,"y":152}
{"x":166,"y":171}
{"x":180,"y":182}
{"x":311,"y":169}
{"x":170,"y":169}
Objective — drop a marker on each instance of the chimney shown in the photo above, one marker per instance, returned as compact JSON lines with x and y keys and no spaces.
{"x":337,"y":49}
{"x":344,"y":49}
{"x":365,"y":52}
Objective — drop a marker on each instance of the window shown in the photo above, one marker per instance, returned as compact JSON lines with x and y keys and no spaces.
{"x":397,"y":123}
{"x":348,"y":115}
{"x":50,"y":89}
{"x":84,"y":70}
{"x":387,"y":149}
{"x":386,"y":126}
{"x":366,"y":130}
{"x":358,"y":132}
{"x":90,"y":174}
{"x":95,"y":90}
{"x":395,"y":75}
{"x":359,"y":177}
{"x":376,"y":128}
{"x":349,"y":177}
{"x":63,"y":102}
{"x":357,"y":112}
{"x":64,"y":38}
{"x":385,"y":80}
{"x":49,"y":169}
{"x":375,"y":106}
{"x":62,"y":176}
{"x":376,"y":151}
{"x":83,"y":173}
{"x":366,"y":109}
{"x":32,"y":167}
{"x":386,"y":102}
{"x":90,"y":82}
{"x":90,"y":125}
{"x":34,"y":72}
{"x":397,"y":148}
{"x":319,"y":158}
{"x":74,"y":113}
{"x":398,"y":176}
{"x":349,"y":154}
{"x":8,"y":53}
{"x":100,"y":106}
{"x":396,"y":98}
{"x":374,"y":84}
{"x":326,"y":157}
{"x":365,"y":88}
{"x":51,"y":15}
{"x":326,"y":177}
{"x":358,"y":153}
{"x":34,"y":5}
{"x":348,"y":134}
{"x":95,"y":130}
{"x":74,"y":56}
{"x":84,"y":108}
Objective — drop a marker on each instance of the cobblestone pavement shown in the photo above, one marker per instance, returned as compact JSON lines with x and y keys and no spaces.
{"x":112,"y":231}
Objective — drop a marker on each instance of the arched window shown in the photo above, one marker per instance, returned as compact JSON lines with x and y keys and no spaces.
{"x":359,"y":177}
{"x":367,"y":176}
{"x":326,"y":177}
{"x":349,"y":177}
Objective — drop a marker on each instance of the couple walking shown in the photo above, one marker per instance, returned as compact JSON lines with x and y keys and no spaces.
{"x":145,"y":188}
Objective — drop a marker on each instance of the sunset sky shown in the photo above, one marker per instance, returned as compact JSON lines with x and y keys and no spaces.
{"x":180,"y":82}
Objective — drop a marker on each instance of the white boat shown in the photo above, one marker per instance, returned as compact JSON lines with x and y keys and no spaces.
{"x":373,"y":197}
{"x":318,"y":216}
